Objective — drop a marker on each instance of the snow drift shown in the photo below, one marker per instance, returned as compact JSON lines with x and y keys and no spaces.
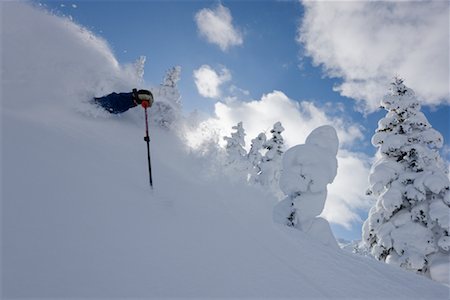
{"x":79,"y":220}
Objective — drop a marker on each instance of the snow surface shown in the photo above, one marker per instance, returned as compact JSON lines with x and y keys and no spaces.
{"x":78,"y":217}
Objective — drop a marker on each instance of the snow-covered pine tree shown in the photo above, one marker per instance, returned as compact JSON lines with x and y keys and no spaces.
{"x":167,"y":106}
{"x":172,"y":77}
{"x":409,"y":225}
{"x":139,"y":65}
{"x":270,"y":165}
{"x":236,"y":153}
{"x":254,"y":156}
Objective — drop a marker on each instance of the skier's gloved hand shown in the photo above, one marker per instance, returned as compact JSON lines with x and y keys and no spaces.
{"x":143,"y":97}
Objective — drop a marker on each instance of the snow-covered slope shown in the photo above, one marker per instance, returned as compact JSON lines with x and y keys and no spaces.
{"x":79,"y":220}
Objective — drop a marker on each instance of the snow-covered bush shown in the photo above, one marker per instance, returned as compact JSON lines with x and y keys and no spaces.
{"x":306,"y":171}
{"x":409,"y":225}
{"x":166,"y":109}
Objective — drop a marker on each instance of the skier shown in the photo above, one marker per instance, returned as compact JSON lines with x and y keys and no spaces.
{"x":117,"y":103}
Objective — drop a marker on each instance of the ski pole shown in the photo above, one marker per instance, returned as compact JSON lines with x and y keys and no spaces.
{"x":145,"y":99}
{"x":147,"y":139}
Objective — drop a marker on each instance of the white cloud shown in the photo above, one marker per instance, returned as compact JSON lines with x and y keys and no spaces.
{"x":216,"y":26}
{"x":346,"y":194}
{"x":208,"y":81}
{"x":298,"y":118}
{"x":366,"y":43}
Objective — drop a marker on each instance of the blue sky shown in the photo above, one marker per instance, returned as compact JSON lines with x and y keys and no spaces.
{"x":324,"y":73}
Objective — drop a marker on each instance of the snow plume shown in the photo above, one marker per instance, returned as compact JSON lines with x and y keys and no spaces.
{"x":299,"y":119}
{"x":54,"y":58}
{"x":208,"y":81}
{"x":216,"y":26}
{"x":367,"y":42}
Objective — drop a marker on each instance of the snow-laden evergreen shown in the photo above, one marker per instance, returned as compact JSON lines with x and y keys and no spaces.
{"x":139,"y":67}
{"x":307,"y":170}
{"x":262,"y":164}
{"x":172,"y":77}
{"x":255,"y":157}
{"x":409,"y":225}
{"x":270,"y":164}
{"x":357,"y":247}
{"x":236,"y":158}
{"x":166,"y":109}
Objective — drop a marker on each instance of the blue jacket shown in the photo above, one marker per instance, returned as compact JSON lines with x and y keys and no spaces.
{"x":116,"y":103}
